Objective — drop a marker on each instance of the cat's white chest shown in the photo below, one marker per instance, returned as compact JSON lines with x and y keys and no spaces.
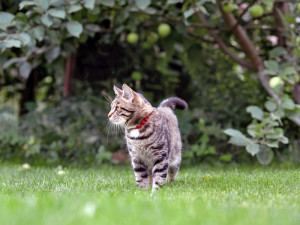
{"x":134,"y":133}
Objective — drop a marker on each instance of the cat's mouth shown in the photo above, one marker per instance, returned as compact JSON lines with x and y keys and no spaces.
{"x":118,"y":122}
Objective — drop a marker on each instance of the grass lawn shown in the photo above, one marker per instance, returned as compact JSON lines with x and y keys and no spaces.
{"x":109,"y":196}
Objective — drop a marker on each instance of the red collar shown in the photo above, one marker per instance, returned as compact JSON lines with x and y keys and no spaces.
{"x":141,"y":123}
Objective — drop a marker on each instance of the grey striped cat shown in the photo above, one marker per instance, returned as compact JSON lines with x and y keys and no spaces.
{"x":152,"y":136}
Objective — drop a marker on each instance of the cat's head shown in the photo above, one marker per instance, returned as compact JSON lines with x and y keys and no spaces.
{"x":128,"y":108}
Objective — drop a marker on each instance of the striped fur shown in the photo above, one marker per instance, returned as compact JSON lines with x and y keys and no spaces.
{"x":155,"y":149}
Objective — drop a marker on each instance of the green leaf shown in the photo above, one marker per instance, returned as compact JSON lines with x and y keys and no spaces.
{"x":89,"y":4}
{"x":290,"y":18}
{"x":74,"y":28}
{"x":283,"y":140}
{"x":92,"y":27}
{"x":13,"y":43}
{"x":270,"y":105}
{"x":278,"y":51}
{"x":287,"y":103}
{"x":38,"y":33}
{"x":92,"y":17}
{"x":46,"y":20}
{"x":268,"y":2}
{"x":239,"y":141}
{"x":277,"y":133}
{"x":12,"y":61}
{"x":273,"y":144}
{"x":269,"y":72}
{"x":109,"y":3}
{"x":296,"y":112}
{"x":26,"y":3}
{"x":272,"y":65}
{"x":256,"y":112}
{"x":252,"y":148}
{"x":226,"y":157}
{"x":44,"y":4}
{"x":237,"y":138}
{"x":201,"y":8}
{"x":52,"y":54}
{"x":142,"y":4}
{"x":24,"y":38}
{"x":265,"y":155}
{"x":25,"y":70}
{"x":22,"y":17}
{"x":288,"y":71}
{"x":58,"y":13}
{"x":188,"y":13}
{"x":121,"y":2}
{"x":174,"y":1}
{"x":233,"y":132}
{"x":74,"y":8}
{"x":5,"y":19}
{"x":251,"y":131}
{"x":279,"y":113}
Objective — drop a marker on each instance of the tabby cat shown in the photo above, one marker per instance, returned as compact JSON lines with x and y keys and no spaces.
{"x":152,"y":135}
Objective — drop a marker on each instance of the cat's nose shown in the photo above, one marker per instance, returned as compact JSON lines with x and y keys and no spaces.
{"x":109,"y":115}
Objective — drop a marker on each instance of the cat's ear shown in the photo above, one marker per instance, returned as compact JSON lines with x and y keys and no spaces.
{"x":128,"y":93}
{"x":131,"y":95}
{"x":117,"y":91}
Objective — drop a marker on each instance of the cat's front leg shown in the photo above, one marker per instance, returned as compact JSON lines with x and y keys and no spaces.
{"x":141,"y":173}
{"x":159,"y":172}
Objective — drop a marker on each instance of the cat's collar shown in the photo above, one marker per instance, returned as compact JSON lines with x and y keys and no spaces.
{"x":141,"y":123}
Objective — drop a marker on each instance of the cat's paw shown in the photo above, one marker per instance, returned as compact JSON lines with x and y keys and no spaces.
{"x":154,"y":191}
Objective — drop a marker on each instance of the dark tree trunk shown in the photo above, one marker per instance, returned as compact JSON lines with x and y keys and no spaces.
{"x":69,"y":74}
{"x":28,"y":93}
{"x":280,"y":8}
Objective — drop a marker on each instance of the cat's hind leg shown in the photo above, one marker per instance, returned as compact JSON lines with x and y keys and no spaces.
{"x":173,"y":169}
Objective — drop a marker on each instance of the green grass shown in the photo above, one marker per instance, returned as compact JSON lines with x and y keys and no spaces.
{"x":109,"y":196}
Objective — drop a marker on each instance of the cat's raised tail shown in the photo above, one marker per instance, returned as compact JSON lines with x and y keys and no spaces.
{"x":174,"y":103}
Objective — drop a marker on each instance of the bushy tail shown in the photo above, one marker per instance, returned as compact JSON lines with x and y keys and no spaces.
{"x":174,"y":103}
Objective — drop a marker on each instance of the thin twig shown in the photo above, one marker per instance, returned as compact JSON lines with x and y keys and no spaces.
{"x":239,"y":20}
{"x":223,"y":46}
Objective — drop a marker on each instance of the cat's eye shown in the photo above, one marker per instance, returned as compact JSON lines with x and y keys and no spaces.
{"x":118,"y":108}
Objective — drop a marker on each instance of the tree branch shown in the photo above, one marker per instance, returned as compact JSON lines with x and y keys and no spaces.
{"x":279,"y":7}
{"x":242,"y":38}
{"x":211,"y":41}
{"x":239,"y":20}
{"x":223,"y":46}
{"x":249,"y":49}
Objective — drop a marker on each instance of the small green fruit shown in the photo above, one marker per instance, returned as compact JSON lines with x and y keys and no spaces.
{"x":257,"y":11}
{"x":136,"y":76}
{"x":228,"y":7}
{"x":132,"y":38}
{"x":276,"y":83}
{"x":152,"y":37}
{"x":164,"y":30}
{"x":298,"y":6}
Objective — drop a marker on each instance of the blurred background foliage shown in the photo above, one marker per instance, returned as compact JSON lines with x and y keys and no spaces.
{"x":59,"y":58}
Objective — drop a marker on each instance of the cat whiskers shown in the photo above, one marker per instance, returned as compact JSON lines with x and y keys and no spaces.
{"x":113,"y":129}
{"x":108,"y":125}
{"x":107,"y":96}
